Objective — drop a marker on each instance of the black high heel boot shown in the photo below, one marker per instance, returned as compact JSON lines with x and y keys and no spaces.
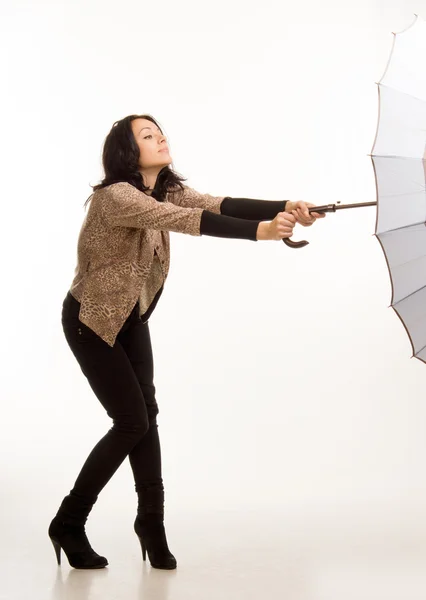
{"x":67,"y":531}
{"x":149,"y":527}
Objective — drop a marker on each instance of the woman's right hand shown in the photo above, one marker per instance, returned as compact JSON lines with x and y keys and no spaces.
{"x":277,"y":229}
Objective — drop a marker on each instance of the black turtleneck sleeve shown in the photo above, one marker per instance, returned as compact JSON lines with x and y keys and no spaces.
{"x":249,"y":208}
{"x":239,"y":217}
{"x":228,"y":227}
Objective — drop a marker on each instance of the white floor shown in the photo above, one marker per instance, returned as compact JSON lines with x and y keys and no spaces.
{"x":230,"y":555}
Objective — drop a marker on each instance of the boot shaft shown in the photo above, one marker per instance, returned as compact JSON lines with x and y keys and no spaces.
{"x":75,"y":508}
{"x":151,"y":499}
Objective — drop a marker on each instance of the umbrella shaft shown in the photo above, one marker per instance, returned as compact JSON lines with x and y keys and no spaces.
{"x":334,"y":207}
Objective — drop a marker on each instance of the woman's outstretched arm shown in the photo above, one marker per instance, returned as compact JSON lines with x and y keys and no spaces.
{"x":123,"y":205}
{"x":241,"y":208}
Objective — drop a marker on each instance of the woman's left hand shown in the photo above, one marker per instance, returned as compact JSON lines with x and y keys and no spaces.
{"x":300,"y":210}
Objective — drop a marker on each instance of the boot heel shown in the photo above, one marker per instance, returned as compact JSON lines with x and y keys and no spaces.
{"x":57,"y":547}
{"x":142,"y":541}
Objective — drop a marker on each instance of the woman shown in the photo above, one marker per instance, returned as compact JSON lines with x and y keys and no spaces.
{"x":123,"y":262}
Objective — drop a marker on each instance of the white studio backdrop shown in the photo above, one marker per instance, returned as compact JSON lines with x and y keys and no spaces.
{"x":284,"y":380}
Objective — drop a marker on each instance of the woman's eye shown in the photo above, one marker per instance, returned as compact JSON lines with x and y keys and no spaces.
{"x":145,"y":138}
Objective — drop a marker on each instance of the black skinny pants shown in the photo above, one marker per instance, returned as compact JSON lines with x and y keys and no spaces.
{"x":122,"y":379}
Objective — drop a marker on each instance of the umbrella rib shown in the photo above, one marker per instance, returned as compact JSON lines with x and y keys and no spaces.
{"x":397,"y":156}
{"x":409,"y":295}
{"x":404,"y":227}
{"x":418,"y":351}
{"x":407,"y":262}
{"x":389,"y":87}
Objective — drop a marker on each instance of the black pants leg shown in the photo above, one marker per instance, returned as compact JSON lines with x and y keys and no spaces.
{"x":145,"y":456}
{"x":121,"y":377}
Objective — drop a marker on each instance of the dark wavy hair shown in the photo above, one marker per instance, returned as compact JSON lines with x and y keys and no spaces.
{"x":120,"y":158}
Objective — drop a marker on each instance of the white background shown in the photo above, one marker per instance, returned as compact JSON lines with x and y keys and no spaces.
{"x":284,"y":380}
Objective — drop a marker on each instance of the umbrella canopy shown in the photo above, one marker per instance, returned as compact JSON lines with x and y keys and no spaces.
{"x":399,"y":162}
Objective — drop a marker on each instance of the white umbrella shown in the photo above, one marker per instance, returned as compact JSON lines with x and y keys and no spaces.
{"x":399,"y":162}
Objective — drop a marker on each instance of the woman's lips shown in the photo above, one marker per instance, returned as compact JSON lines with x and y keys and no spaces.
{"x":164,"y":150}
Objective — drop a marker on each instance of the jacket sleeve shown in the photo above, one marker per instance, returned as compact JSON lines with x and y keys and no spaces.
{"x":126,"y":206}
{"x":190,"y":198}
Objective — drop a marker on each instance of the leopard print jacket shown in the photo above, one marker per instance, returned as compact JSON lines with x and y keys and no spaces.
{"x":116,"y":245}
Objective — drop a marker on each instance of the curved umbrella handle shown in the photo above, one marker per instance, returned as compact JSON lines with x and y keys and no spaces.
{"x":292,"y":244}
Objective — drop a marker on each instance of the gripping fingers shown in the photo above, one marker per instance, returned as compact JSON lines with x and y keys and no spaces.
{"x":287,"y":222}
{"x":286,"y":219}
{"x":286,"y":225}
{"x":303,"y":217}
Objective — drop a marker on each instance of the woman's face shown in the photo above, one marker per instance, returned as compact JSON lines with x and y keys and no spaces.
{"x":153,"y":147}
